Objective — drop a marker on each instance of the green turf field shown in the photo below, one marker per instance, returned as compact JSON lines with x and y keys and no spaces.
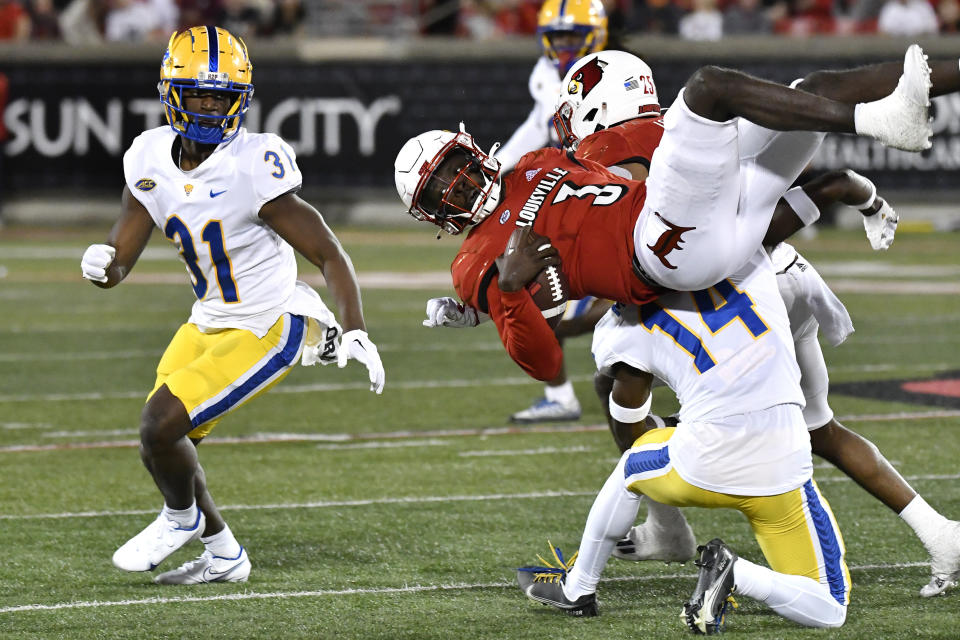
{"x":405,"y":515}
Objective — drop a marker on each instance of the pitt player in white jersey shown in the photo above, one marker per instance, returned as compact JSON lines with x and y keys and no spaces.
{"x":741,"y":443}
{"x":568,"y":30}
{"x":227,"y":199}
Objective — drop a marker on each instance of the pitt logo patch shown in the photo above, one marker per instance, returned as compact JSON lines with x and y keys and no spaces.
{"x":145,"y":184}
{"x":668,"y":241}
{"x":504,"y":216}
{"x":188,"y":189}
{"x":586,"y":77}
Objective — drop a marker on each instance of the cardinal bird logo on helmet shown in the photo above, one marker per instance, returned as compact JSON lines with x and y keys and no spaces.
{"x":587,"y":77}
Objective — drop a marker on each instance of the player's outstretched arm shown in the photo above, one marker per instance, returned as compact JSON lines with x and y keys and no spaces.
{"x":845,"y":186}
{"x":297,"y":222}
{"x":105,"y":265}
{"x":303,"y":227}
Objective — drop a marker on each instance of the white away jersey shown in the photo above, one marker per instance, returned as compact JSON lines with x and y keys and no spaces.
{"x":727,"y":352}
{"x":243,"y":274}
{"x":536,"y":131}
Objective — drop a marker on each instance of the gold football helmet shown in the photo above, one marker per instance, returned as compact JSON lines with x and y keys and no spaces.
{"x":209,"y":58}
{"x":571,"y":29}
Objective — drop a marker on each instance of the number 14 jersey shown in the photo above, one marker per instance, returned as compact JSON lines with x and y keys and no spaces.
{"x":724,"y":350}
{"x":727,"y":352}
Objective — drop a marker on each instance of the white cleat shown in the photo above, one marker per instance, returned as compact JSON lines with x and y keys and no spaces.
{"x":209,"y":568}
{"x":150,"y":547}
{"x":643,"y":542}
{"x":944,"y":561}
{"x":544,"y":410}
{"x":902,"y":119}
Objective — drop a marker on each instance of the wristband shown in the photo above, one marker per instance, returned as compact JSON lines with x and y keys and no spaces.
{"x":866,"y":204}
{"x":802,"y":205}
{"x":657,"y":421}
{"x":628,"y":415}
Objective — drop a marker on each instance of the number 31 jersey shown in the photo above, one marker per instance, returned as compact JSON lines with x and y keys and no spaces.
{"x":243,"y":274}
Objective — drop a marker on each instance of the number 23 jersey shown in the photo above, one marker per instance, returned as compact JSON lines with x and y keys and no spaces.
{"x":243,"y":274}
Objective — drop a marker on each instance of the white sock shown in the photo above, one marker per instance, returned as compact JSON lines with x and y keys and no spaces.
{"x":183,"y":517}
{"x":563,"y":393}
{"x":796,"y":598}
{"x":923,"y":519}
{"x":222,"y":543}
{"x":663,"y":516}
{"x":872,"y":118}
{"x":611,"y":515}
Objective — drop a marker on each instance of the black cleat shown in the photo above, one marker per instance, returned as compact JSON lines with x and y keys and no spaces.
{"x":706,"y":610}
{"x":542,"y":585}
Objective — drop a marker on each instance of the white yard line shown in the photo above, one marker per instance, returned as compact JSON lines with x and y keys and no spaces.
{"x":321,"y":504}
{"x":327,"y":504}
{"x":164,"y":253}
{"x":471,"y":346}
{"x":291,"y":388}
{"x":489,"y":453}
{"x":901,"y":287}
{"x":320,"y":593}
{"x":268,"y":438}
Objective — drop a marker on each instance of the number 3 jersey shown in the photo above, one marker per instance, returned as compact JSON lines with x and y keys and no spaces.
{"x":243,"y":274}
{"x":727,"y":352}
{"x":588,"y":214}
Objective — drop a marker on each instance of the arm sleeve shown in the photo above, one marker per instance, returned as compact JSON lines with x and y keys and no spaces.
{"x":524,"y":332}
{"x":534,"y":133}
{"x":141,"y":184}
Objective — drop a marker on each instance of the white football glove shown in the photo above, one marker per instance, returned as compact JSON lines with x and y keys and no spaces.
{"x":450,"y":312}
{"x":880,"y":225}
{"x":95,"y":260}
{"x":356,"y":345}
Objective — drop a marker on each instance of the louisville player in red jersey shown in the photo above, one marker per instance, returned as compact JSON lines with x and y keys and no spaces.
{"x":592,"y":216}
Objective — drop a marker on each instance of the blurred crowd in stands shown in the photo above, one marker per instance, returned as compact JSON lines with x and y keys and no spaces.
{"x":96,"y":21}
{"x":713,"y":19}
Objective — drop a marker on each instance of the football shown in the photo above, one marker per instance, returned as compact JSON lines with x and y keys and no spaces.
{"x":550,"y":291}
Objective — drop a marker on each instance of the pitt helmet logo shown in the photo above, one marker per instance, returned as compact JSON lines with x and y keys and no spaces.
{"x":587,"y":77}
{"x":145,"y":184}
{"x":188,"y":189}
{"x":668,"y":241}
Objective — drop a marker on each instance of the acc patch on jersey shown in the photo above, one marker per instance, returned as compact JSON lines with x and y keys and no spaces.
{"x":145,"y":184}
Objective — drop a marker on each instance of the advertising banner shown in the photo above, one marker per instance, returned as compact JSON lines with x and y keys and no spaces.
{"x":68,"y":124}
